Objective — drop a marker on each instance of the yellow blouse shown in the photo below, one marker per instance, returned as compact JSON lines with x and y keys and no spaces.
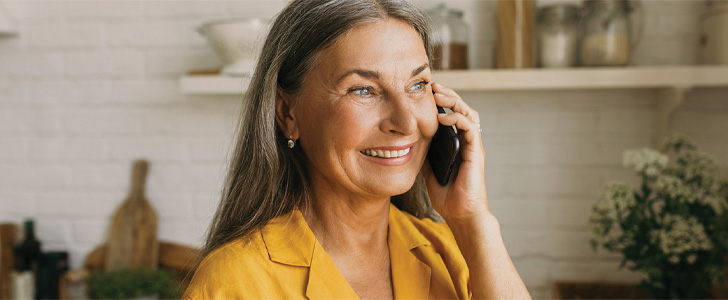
{"x":283,"y":260}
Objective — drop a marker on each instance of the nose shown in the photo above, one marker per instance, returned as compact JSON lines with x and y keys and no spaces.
{"x":401,"y":117}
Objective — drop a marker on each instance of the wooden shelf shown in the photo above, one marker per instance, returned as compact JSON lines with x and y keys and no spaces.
{"x":586,"y":78}
{"x":682,"y":77}
{"x":8,"y":31}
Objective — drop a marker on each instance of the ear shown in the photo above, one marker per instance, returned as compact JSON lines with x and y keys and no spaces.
{"x":285,"y":117}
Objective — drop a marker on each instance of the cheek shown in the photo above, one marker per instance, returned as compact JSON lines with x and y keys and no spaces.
{"x":334,"y":128}
{"x":313,"y":126}
{"x":427,"y":119}
{"x":353,"y":124}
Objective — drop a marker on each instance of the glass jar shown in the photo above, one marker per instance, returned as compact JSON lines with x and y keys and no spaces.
{"x":450,"y":38}
{"x":608,"y":35}
{"x":713,"y":47}
{"x":558,"y":35}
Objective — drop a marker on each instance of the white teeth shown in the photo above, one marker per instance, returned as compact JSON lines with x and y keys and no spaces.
{"x":386,"y":153}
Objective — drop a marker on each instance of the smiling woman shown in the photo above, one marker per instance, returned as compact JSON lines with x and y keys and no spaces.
{"x":380,"y":102}
{"x":329,"y":193}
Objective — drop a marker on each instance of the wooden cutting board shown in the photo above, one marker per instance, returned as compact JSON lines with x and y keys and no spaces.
{"x":514,"y":34}
{"x":132,"y":240}
{"x":7,"y":241}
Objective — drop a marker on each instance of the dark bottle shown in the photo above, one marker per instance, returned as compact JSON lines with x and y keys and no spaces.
{"x":52,"y":266}
{"x":27,"y":253}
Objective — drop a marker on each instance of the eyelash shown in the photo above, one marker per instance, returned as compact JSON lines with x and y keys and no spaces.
{"x":362,"y":88}
{"x":424,"y":83}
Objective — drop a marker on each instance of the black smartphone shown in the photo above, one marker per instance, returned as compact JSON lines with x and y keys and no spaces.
{"x":444,"y":153}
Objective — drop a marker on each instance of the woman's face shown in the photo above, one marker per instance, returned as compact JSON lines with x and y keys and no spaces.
{"x":369,"y":93}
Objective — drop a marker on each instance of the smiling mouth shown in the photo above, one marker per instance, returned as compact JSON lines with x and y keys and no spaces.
{"x":386,"y":153}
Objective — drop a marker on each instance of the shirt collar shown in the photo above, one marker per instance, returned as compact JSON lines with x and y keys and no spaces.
{"x":402,"y":230}
{"x":410,"y":276}
{"x":290,"y":241}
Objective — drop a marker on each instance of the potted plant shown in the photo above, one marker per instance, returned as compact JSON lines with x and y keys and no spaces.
{"x":140,"y":283}
{"x":673,"y":228}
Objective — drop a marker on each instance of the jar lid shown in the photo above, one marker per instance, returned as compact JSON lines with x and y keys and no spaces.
{"x":609,"y":5}
{"x":717,"y":10}
{"x":559,"y":10}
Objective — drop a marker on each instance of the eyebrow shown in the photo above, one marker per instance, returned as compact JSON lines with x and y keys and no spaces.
{"x":375,"y":74}
{"x":420,"y":69}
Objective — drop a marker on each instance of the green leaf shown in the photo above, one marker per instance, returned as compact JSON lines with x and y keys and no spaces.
{"x":124,"y":284}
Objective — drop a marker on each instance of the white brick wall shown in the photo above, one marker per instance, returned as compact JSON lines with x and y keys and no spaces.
{"x":79,"y":34}
{"x":111,"y":63}
{"x":22,"y":64}
{"x":103,"y":10}
{"x":88,"y":86}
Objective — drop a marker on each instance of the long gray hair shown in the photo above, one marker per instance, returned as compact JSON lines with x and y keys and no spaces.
{"x":266,"y":179}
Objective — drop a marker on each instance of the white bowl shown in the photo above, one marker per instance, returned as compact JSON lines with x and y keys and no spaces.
{"x":237,"y":42}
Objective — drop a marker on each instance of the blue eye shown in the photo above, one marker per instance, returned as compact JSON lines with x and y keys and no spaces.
{"x":362,"y":91}
{"x":419,"y":86}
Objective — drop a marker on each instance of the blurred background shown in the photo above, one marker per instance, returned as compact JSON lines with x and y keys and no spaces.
{"x":88,"y":87}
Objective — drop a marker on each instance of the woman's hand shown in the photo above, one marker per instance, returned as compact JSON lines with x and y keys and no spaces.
{"x":464,"y":199}
{"x":464,"y":206}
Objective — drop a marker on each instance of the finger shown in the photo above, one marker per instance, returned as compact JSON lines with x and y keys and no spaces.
{"x":472,"y":149}
{"x":448,"y":98}
{"x":467,"y":127}
{"x":439,"y":88}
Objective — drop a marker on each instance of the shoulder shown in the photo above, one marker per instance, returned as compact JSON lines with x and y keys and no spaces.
{"x":227,"y":266}
{"x":266,"y":263}
{"x":242,"y":251}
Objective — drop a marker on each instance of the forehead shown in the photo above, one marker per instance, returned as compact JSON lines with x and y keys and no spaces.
{"x":385,"y":44}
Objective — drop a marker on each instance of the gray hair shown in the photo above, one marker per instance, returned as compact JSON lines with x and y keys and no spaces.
{"x":266,"y":179}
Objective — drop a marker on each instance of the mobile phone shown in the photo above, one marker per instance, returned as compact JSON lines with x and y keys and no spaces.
{"x":444,"y":153}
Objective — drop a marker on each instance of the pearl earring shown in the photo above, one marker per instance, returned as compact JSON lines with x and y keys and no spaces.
{"x":291,"y":142}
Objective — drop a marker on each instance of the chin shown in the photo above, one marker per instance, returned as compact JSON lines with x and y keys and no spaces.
{"x":394,"y":185}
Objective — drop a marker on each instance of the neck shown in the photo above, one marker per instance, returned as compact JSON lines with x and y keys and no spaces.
{"x":346,"y":224}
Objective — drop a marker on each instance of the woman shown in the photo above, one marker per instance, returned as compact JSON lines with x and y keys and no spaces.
{"x":329,"y":191}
